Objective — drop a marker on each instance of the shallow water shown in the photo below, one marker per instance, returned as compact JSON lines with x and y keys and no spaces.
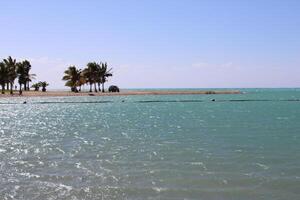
{"x":152,"y":147}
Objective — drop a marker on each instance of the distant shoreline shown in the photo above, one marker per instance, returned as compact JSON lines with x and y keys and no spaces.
{"x":124,"y":93}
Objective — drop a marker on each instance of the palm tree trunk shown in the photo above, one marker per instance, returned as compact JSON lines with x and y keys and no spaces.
{"x":103,"y":87}
{"x":95,"y":87}
{"x":91,"y":87}
{"x":20,"y":89}
{"x":3,"y":88}
{"x":11,"y":88}
{"x":7,"y":86}
{"x":28,"y":88}
{"x":99,"y":87}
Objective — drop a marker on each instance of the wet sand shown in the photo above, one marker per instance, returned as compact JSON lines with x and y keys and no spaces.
{"x":122,"y":93}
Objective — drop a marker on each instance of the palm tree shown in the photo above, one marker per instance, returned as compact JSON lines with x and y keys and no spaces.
{"x":90,"y":73}
{"x":73,"y":78}
{"x":93,"y":74}
{"x":10,"y":63}
{"x":3,"y":76}
{"x":36,"y":86}
{"x":28,"y":76}
{"x":87,"y":74}
{"x":21,"y":73}
{"x":82,"y":80}
{"x":105,"y":74}
{"x":99,"y":74}
{"x":24,"y":77}
{"x":94,"y":67}
{"x":43,"y":84}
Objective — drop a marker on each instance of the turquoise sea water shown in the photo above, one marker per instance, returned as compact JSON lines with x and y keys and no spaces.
{"x":244,"y":146}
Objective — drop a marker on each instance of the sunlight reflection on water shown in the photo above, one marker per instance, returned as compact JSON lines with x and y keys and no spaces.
{"x":166,"y":150}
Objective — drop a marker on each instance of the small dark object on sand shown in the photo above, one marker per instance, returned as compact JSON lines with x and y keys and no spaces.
{"x":213,"y":100}
{"x":24,"y":102}
{"x":91,"y":95}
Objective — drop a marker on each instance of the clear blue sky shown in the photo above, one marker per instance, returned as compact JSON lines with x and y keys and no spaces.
{"x":159,"y":43}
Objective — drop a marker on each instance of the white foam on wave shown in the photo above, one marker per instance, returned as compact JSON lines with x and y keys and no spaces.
{"x":282,"y":118}
{"x":106,"y":138}
{"x":199,"y":164}
{"x":29,"y":175}
{"x":114,"y":178}
{"x":2,"y":150}
{"x":125,"y":134}
{"x":225,"y":181}
{"x":60,"y":150}
{"x":67,"y":187}
{"x":61,"y":189}
{"x":159,"y":189}
{"x":265,"y":167}
{"x":87,"y":189}
{"x":37,"y":150}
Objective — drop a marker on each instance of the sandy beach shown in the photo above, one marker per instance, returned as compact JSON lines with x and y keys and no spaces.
{"x":122,"y":93}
